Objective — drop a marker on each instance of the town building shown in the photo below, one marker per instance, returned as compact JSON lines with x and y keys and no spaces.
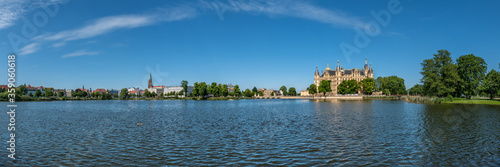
{"x":339,"y":74}
{"x":32,"y":90}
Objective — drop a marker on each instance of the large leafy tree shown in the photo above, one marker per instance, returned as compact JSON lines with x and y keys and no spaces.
{"x":38,"y":93}
{"x":184,"y":85}
{"x":393,"y":84}
{"x":367,"y":85}
{"x":439,"y":75}
{"x":237,"y":91}
{"x":283,"y":89}
{"x":348,"y":87}
{"x":292,"y":91}
{"x":213,"y":89}
{"x":417,"y":89}
{"x":124,"y":94}
{"x":491,"y":85}
{"x":61,"y":93}
{"x":48,"y":93}
{"x":254,"y":90}
{"x":248,"y":93}
{"x":195,"y":89}
{"x":324,"y":87}
{"x":202,"y":89}
{"x":471,"y":70}
{"x":224,"y":90}
{"x":312,"y":89}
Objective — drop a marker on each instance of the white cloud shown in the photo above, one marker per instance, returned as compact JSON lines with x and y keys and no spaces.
{"x":13,"y":10}
{"x":108,"y":24}
{"x":30,"y":48}
{"x":298,"y":9}
{"x":80,"y":53}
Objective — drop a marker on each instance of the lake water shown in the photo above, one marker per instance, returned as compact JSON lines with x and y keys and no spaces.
{"x":253,"y":132}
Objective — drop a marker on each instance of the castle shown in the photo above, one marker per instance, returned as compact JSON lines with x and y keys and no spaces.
{"x":340,"y":74}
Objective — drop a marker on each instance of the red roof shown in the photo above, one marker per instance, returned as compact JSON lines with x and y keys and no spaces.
{"x":100,"y":90}
{"x":133,"y":92}
{"x":158,"y":86}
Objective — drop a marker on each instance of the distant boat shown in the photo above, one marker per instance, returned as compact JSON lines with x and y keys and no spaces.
{"x":139,"y":124}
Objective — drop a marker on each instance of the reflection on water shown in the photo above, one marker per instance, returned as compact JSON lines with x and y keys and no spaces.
{"x":255,"y":132}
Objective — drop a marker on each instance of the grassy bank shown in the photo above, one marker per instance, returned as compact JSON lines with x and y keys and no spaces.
{"x":438,"y":100}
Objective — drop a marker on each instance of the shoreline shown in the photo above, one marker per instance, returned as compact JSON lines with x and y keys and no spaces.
{"x":409,"y":99}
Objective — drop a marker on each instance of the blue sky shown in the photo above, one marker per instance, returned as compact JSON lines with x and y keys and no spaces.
{"x":114,"y":44}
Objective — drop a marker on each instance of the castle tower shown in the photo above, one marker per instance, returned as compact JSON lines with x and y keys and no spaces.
{"x":150,"y":82}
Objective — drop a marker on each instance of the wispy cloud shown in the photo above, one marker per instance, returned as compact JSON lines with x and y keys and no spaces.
{"x":80,"y":53}
{"x":108,"y":24}
{"x":11,"y":11}
{"x":298,"y":9}
{"x":30,"y":48}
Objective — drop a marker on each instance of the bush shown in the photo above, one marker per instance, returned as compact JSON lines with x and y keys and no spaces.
{"x":449,"y":98}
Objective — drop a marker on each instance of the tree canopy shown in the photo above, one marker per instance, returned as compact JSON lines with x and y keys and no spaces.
{"x":439,"y":75}
{"x":417,"y":89}
{"x":348,"y":87}
{"x":283,"y":89}
{"x":491,"y":85}
{"x":471,"y":70}
{"x":292,"y":91}
{"x":324,"y":87}
{"x":367,"y":85}
{"x":312,"y":89}
{"x":393,"y":84}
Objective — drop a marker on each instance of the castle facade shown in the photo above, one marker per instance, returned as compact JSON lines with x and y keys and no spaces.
{"x":339,"y":74}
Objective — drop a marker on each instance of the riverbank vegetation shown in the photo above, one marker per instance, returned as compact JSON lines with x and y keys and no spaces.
{"x":443,"y":78}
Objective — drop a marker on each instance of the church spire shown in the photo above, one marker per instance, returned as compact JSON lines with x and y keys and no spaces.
{"x":150,"y":82}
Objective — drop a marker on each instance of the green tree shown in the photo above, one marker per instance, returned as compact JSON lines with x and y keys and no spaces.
{"x":324,"y":87}
{"x":254,"y":90}
{"x":184,"y":85}
{"x":471,"y":70}
{"x":237,"y":90}
{"x":203,"y":89}
{"x":312,"y":89}
{"x":196,"y":88}
{"x":61,"y":93}
{"x":386,"y":92}
{"x":147,"y":93}
{"x":395,"y":84}
{"x":283,"y":89}
{"x":213,"y":89}
{"x":124,"y":94}
{"x":348,"y":87}
{"x":22,"y":89}
{"x":417,"y":89}
{"x":439,"y":75}
{"x":367,"y":85}
{"x":272,"y":93}
{"x":38,"y":93}
{"x":224,"y":90}
{"x":491,"y":85}
{"x":48,"y":93}
{"x":248,"y":93}
{"x":292,"y":91}
{"x":31,"y":94}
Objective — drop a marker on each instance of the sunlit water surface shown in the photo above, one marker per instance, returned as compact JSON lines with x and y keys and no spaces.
{"x":253,"y":132}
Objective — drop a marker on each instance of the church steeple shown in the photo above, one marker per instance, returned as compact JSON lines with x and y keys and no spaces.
{"x":150,"y":82}
{"x":317,"y":72}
